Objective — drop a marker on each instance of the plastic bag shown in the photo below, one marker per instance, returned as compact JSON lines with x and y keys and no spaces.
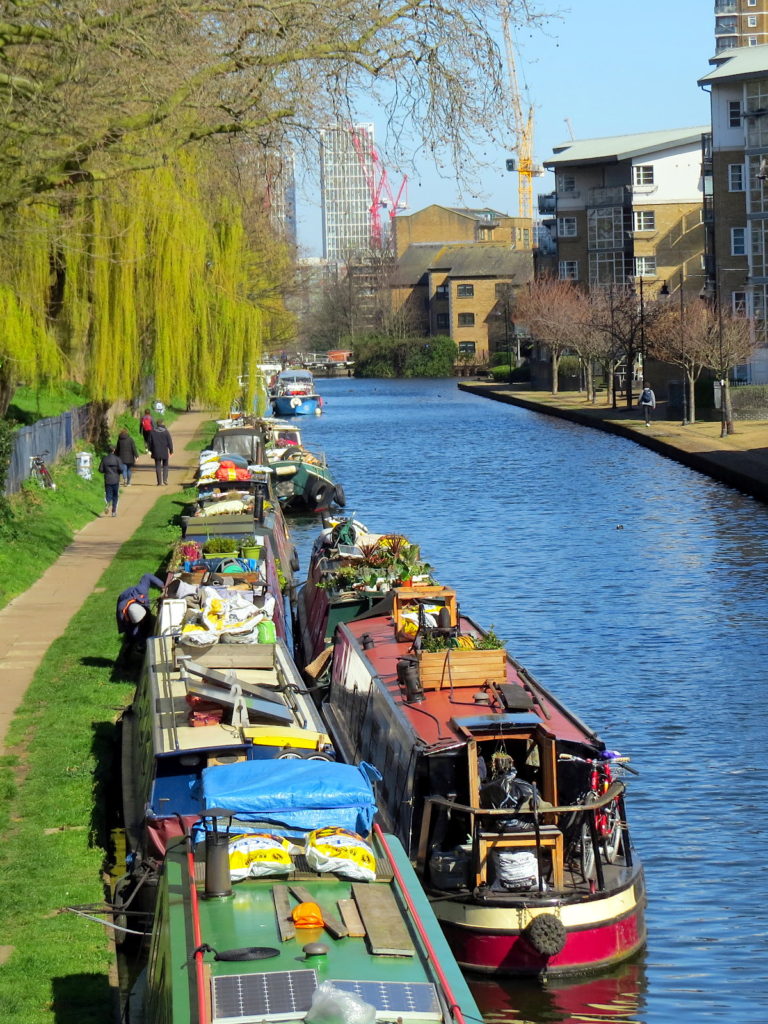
{"x":345,"y":853}
{"x":259,"y":855}
{"x":332,"y":1005}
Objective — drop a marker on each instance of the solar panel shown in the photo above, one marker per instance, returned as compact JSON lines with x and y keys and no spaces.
{"x":277,"y":995}
{"x":410,"y":1000}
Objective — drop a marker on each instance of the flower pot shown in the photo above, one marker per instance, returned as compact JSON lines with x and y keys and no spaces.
{"x":251,"y":551}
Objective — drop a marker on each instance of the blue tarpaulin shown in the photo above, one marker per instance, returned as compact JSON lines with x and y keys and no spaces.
{"x":301,"y":795}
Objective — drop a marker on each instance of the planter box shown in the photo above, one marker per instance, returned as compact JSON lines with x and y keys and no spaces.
{"x":440,"y":669}
{"x":409,"y":596}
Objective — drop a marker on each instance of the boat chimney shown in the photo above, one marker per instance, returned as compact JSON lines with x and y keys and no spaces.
{"x":408,"y":678}
{"x":218,"y":880}
{"x":367,"y":641}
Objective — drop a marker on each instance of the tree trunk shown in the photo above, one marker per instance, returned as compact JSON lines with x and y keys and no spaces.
{"x":726,"y":409}
{"x":555,"y":372}
{"x":590,"y":378}
{"x":689,"y":382}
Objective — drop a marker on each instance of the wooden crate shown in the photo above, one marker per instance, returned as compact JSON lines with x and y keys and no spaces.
{"x":467,"y":668}
{"x":431,"y":595}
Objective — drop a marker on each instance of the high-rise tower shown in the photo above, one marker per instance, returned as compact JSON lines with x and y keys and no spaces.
{"x":344,"y":190}
{"x":740,"y":23}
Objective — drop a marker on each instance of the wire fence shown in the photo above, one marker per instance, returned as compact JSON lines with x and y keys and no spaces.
{"x":54,"y":435}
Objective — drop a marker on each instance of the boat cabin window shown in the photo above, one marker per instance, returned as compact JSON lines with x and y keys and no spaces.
{"x":528,"y":755}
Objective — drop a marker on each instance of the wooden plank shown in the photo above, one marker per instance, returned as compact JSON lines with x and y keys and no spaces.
{"x":383,"y":920}
{"x":332,"y":924}
{"x":285,"y":923}
{"x":352,"y":919}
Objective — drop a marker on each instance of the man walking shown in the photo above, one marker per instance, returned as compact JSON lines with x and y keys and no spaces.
{"x":647,"y":402}
{"x":161,"y":448}
{"x":112,"y":468}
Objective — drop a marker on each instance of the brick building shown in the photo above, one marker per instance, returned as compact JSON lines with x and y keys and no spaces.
{"x":740,"y":23}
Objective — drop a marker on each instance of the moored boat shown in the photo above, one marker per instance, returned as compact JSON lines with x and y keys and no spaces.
{"x":222,"y":954}
{"x":510,"y":807}
{"x":294,"y":394}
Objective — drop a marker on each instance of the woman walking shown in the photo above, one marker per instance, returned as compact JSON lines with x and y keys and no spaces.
{"x":111,"y":468}
{"x":126,"y":451}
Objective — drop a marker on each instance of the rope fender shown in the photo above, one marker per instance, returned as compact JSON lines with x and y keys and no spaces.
{"x":546,"y":933}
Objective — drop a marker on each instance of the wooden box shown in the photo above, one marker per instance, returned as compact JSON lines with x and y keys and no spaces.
{"x":405,"y":596}
{"x":458,"y":667}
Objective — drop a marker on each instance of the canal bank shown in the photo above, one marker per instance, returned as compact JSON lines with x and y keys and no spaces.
{"x":739,"y":460}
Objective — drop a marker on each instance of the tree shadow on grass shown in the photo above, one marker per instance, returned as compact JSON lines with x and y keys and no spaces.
{"x":83,"y":999}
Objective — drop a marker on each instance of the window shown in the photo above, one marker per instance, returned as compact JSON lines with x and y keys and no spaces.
{"x":739,"y":303}
{"x":568,"y":270}
{"x":466,"y":319}
{"x":751,"y":3}
{"x":642,"y":174}
{"x":441,"y":292}
{"x":644,"y":220}
{"x":645,"y":266}
{"x":735,"y":177}
{"x":566,"y":183}
{"x":734,"y":113}
{"x":465,"y":291}
{"x":466,"y":348}
{"x":752,"y":21}
{"x":605,"y":227}
{"x":752,"y":41}
{"x":738,"y":241}
{"x":441,"y":322}
{"x":566,"y":227}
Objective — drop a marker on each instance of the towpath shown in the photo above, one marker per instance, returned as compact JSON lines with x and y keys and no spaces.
{"x":739,"y":460}
{"x":61,"y":590}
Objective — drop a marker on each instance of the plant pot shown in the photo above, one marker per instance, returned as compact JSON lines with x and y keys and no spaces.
{"x":251,"y":551}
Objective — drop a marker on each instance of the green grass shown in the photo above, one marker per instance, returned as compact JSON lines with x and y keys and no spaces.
{"x":57,"y":795}
{"x":42,"y":524}
{"x":31,"y":404}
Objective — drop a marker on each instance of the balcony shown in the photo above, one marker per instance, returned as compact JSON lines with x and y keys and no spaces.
{"x":725,"y":6}
{"x":547,"y":204}
{"x":615,"y":195}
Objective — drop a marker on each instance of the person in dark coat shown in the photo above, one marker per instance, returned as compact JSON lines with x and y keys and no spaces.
{"x":161,"y":448}
{"x":126,"y":451}
{"x":134,"y":621}
{"x":112,"y":469}
{"x":147,"y":424}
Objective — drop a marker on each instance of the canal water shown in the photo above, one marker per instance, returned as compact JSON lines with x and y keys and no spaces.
{"x":635,"y":589}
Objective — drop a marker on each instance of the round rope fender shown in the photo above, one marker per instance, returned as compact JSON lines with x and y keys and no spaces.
{"x":546,"y":933}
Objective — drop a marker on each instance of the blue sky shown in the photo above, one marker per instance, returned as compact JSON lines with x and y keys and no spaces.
{"x":610,"y":66}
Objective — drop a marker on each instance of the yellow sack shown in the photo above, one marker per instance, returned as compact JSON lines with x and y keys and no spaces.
{"x":259,"y":855}
{"x":345,"y":853}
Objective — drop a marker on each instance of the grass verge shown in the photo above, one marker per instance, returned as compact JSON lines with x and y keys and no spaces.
{"x":58,"y":794}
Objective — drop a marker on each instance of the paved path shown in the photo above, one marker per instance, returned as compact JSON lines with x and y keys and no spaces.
{"x":59,"y":593}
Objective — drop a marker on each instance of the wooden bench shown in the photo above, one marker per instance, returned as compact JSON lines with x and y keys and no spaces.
{"x":550,"y":838}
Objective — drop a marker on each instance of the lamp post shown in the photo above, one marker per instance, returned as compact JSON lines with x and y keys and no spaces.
{"x":642,"y":330}
{"x":664,"y":290}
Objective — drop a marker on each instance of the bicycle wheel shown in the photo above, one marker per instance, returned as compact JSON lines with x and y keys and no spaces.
{"x":46,"y":479}
{"x":611,"y":841}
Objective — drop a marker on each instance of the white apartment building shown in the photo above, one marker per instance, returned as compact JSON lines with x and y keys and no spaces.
{"x":346,"y":167}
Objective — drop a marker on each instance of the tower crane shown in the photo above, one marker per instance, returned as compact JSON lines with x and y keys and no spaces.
{"x":523,"y":126}
{"x":379,"y":189}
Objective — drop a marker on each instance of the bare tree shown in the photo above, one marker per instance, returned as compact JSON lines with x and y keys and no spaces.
{"x":552,"y":309}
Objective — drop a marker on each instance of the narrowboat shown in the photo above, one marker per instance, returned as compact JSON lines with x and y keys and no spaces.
{"x":297,"y":939}
{"x":511,"y":808}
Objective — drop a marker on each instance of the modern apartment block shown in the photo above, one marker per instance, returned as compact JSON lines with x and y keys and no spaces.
{"x":345,"y":159}
{"x":737,"y":212}
{"x":630,"y":207}
{"x":740,"y":23}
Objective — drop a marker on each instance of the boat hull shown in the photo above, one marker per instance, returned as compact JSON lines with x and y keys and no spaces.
{"x":296,"y":405}
{"x":599,"y":934}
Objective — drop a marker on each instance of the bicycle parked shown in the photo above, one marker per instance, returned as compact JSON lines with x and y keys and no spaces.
{"x":603,"y":831}
{"x":40,"y":472}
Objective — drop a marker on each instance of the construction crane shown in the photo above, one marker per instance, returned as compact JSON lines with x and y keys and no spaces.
{"x":523,"y":126}
{"x":379,"y":188}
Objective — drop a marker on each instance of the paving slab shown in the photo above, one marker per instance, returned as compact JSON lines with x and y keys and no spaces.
{"x":63,"y":588}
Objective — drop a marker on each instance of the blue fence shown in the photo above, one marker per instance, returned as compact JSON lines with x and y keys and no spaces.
{"x":55,"y":435}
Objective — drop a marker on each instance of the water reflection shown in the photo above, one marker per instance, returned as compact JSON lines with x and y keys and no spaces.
{"x":615,"y":998}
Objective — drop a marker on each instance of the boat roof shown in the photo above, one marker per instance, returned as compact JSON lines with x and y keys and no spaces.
{"x":294,"y":375}
{"x":437,"y":720}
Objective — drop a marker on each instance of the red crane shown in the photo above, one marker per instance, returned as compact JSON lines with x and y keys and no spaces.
{"x":377,"y":180}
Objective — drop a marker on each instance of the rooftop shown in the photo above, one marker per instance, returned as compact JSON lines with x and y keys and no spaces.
{"x":614,"y":148}
{"x":737,"y":63}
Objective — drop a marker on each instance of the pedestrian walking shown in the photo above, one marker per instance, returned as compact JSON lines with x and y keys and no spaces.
{"x":112,"y":468}
{"x":126,"y":451}
{"x":161,"y":448}
{"x":147,"y":426}
{"x":647,"y":402}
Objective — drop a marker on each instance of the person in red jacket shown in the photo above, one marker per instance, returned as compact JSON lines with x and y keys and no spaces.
{"x":147,"y":426}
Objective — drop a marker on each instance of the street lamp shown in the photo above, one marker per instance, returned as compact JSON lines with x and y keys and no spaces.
{"x":664,"y":290}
